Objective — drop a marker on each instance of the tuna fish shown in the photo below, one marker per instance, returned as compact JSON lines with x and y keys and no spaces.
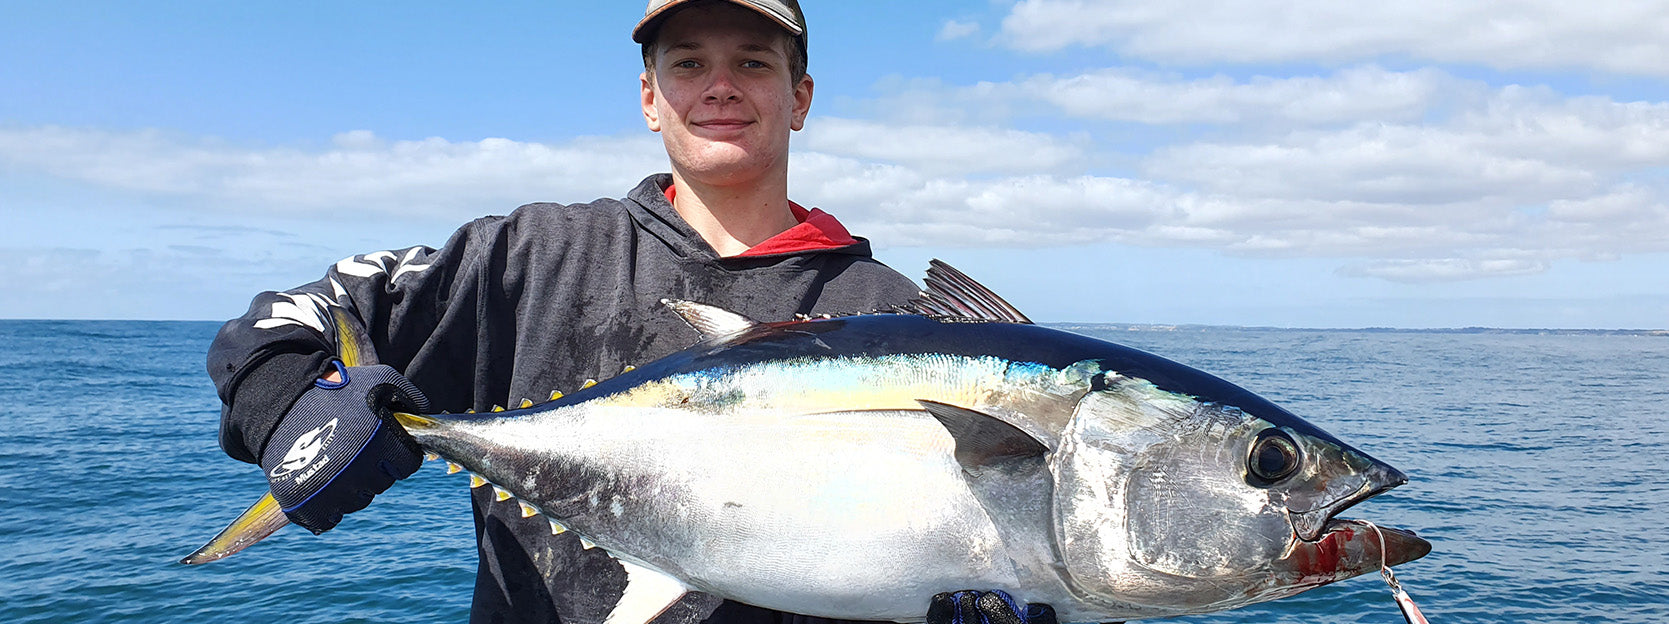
{"x":852,"y":467}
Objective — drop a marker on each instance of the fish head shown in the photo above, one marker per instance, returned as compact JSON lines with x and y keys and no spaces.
{"x":1165,"y":501}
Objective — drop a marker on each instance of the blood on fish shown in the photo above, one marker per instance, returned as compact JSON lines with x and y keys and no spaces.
{"x":1321,"y":560}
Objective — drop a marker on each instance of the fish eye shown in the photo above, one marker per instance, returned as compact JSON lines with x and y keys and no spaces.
{"x":1274,"y":457}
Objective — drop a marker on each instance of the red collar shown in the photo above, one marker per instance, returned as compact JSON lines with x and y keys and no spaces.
{"x":817,"y":231}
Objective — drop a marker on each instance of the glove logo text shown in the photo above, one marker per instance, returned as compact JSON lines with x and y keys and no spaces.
{"x":306,"y":451}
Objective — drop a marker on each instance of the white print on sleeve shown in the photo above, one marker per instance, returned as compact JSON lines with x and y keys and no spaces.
{"x":304,"y":309}
{"x":373,"y":263}
{"x":313,"y":310}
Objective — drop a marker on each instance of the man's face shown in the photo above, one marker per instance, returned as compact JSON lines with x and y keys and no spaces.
{"x":721,"y":96}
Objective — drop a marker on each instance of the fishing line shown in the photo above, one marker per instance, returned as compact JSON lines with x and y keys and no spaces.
{"x":1410,"y":611}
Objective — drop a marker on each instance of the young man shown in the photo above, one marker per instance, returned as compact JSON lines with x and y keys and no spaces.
{"x":514,"y":307}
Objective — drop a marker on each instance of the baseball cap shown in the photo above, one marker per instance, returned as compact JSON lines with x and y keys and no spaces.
{"x":785,"y":13}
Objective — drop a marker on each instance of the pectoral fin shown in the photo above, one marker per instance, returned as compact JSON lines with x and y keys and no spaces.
{"x":648,"y":594}
{"x":983,"y":440}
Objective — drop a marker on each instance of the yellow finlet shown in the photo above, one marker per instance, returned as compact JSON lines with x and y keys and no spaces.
{"x":587,"y":544}
{"x":556,"y":394}
{"x":557,"y":528}
{"x":629,"y":368}
{"x":430,"y":457}
{"x":452,"y":468}
{"x":501,"y":493}
{"x":526,"y":403}
{"x":498,"y":408}
{"x":413,"y":421}
{"x":476,"y":481}
{"x":527,"y":510}
{"x":588,"y":383}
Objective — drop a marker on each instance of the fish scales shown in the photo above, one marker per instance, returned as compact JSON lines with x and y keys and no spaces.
{"x":679,"y":492}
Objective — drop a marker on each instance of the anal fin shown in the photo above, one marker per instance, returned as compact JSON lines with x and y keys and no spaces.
{"x":710,"y":321}
{"x":648,"y":594}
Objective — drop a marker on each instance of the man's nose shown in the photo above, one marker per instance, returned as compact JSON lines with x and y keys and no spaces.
{"x":722,"y":88}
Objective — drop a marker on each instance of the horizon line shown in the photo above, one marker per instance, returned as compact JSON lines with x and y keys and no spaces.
{"x":1129,"y":326}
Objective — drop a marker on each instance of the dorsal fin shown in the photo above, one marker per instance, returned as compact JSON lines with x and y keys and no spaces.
{"x":710,"y":321}
{"x":952,"y":295}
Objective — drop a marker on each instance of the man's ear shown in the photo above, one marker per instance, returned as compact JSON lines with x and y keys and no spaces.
{"x":650,"y":115}
{"x":802,"y":101}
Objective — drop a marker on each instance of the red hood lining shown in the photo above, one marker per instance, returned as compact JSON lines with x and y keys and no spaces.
{"x":817,"y":231}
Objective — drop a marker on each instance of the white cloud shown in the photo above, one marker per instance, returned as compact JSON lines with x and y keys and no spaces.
{"x":1345,"y":96}
{"x":1468,"y":200}
{"x":957,"y":29}
{"x":141,"y":283}
{"x":1446,"y":269}
{"x":1426,"y":175}
{"x":941,"y":149}
{"x":432,"y":176}
{"x":1623,"y":36}
{"x":1349,"y":95}
{"x":1354,"y":165}
{"x":1515,"y":150}
{"x":1375,"y":163}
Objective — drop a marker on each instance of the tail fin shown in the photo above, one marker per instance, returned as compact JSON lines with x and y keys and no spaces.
{"x":353,"y":346}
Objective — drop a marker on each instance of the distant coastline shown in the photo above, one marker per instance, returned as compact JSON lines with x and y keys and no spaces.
{"x":1156,"y":327}
{"x":1136,"y":327}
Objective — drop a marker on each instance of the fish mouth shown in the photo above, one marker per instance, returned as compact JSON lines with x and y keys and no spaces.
{"x":1328,"y":548}
{"x":1396,"y":546}
{"x":1349,"y":548}
{"x":1312,"y":525}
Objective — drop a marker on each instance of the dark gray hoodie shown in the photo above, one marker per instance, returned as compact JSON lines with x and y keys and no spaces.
{"x":515,"y":307}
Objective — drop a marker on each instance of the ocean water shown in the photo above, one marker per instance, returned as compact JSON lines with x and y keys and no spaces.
{"x":1539,"y":465}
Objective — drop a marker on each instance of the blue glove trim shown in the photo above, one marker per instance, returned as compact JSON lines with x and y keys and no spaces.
{"x":312,"y":475}
{"x":341,"y":369}
{"x":1014,"y":607}
{"x":333,"y":477}
{"x":956,"y":599}
{"x":1035,"y":611}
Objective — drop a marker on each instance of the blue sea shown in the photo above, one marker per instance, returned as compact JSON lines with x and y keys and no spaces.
{"x":1539,"y":466}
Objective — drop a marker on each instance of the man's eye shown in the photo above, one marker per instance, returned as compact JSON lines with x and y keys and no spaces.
{"x":753,"y":64}
{"x":686,"y":64}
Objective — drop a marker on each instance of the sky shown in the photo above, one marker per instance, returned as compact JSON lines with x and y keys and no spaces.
{"x":1289,"y":163}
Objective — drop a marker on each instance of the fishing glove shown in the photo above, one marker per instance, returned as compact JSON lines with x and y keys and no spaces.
{"x":337,"y":447}
{"x":985,"y":607}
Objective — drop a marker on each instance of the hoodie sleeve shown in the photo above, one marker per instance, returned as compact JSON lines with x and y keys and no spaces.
{"x":262,"y":361}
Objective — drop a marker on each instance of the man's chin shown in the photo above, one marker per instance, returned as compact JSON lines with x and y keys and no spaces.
{"x":721,"y":164}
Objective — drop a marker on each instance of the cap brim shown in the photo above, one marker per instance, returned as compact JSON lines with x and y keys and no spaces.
{"x":646,"y":27}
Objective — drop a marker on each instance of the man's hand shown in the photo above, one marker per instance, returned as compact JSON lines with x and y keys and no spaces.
{"x":985,"y":607}
{"x":337,"y":448}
